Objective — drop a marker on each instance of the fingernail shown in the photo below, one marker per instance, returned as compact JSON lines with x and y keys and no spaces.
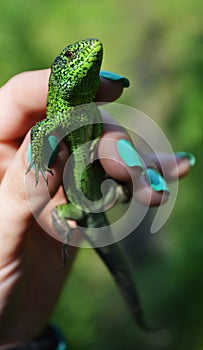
{"x":157,"y":182}
{"x":189,"y":156}
{"x":51,"y":149}
{"x":29,"y":154}
{"x":128,"y":153}
{"x":115,"y":77}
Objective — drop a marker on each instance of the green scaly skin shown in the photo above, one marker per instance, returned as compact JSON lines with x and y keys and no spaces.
{"x":73,"y":84}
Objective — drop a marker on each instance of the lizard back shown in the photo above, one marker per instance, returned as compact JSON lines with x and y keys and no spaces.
{"x":73,"y":84}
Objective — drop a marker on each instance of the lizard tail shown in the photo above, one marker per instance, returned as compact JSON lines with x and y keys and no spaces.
{"x":117,"y":264}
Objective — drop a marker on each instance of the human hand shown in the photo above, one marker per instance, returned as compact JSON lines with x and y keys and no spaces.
{"x":31,"y":270}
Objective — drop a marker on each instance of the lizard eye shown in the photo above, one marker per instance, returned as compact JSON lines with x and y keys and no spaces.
{"x":69,"y":54}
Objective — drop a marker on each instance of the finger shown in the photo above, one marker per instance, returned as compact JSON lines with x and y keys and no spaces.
{"x":23,"y":101}
{"x":150,"y":175}
{"x":7,"y":152}
{"x":122,"y":162}
{"x":17,"y":189}
{"x":111,"y":86}
{"x":172,"y":166}
{"x":161,"y":170}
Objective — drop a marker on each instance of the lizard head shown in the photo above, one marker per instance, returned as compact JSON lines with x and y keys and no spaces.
{"x":75,"y":71}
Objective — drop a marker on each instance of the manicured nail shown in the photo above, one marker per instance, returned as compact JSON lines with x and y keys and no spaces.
{"x":157,"y":182}
{"x":128,"y":153}
{"x":115,"y":77}
{"x":29,"y":154}
{"x":189,"y":156}
{"x":51,"y":149}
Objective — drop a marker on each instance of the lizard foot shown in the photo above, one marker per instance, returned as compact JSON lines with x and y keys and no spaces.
{"x":61,"y":226}
{"x":39,"y":168}
{"x":65,"y":231}
{"x":124,"y":193}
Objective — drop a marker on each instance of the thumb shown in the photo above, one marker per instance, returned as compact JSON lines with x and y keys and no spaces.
{"x":17,"y":189}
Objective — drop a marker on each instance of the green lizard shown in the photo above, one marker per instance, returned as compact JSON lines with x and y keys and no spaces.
{"x":73,"y":83}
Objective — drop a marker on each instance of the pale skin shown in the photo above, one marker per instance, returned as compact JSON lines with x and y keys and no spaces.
{"x":31,"y":272}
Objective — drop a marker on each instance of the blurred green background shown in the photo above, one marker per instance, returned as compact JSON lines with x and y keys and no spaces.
{"x":158,"y":45}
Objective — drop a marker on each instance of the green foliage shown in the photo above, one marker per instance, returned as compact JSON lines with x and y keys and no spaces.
{"x":158,"y":45}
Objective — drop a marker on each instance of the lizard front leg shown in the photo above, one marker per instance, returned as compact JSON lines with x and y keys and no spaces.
{"x":40,"y":151}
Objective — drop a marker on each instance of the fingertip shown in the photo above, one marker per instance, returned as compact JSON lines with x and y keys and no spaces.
{"x":23,"y":96}
{"x":173,"y":166}
{"x":146,"y":196}
{"x":119,"y":157}
{"x":109,"y":91}
{"x":151,"y":189}
{"x":186,"y":156}
{"x":115,"y":77}
{"x":182,"y":168}
{"x":185,"y":161}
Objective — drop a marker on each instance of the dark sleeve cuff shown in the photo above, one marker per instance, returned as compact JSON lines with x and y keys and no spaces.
{"x":50,"y":339}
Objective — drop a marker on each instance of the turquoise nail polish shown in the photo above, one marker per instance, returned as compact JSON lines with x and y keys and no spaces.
{"x":191,"y":158}
{"x":115,"y":77}
{"x":156,"y":180}
{"x":128,"y":153}
{"x":29,"y":154}
{"x":51,"y":149}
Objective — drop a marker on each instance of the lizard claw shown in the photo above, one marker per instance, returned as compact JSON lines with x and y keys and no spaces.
{"x":42,"y":170}
{"x":65,"y":254}
{"x":39,"y":168}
